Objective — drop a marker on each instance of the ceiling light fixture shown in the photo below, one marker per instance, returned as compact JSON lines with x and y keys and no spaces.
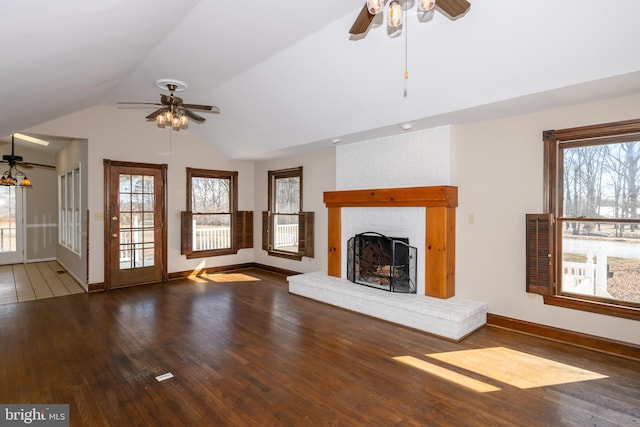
{"x":174,"y":118}
{"x":395,"y":11}
{"x":13,"y":176}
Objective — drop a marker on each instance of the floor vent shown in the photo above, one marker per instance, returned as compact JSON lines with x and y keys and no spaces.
{"x":60,"y":271}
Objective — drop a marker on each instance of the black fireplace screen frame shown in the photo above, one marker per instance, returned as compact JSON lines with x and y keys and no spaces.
{"x":382,"y":262}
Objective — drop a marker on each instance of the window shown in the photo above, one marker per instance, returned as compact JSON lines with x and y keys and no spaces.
{"x":287,"y":231}
{"x":585,"y":252}
{"x":69,"y":203}
{"x":212,"y":224}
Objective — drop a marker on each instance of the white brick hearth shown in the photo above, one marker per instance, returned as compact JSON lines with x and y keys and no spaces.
{"x":452,"y":318}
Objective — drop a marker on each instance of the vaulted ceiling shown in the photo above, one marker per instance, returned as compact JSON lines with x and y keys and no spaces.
{"x":287,"y":75}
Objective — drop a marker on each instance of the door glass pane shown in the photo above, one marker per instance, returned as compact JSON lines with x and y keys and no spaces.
{"x":7,"y":219}
{"x":136,"y":221}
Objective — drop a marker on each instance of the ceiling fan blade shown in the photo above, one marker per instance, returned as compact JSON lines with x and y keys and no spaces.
{"x":137,"y":103}
{"x":156,"y":113}
{"x":193,"y":116}
{"x":453,"y":8}
{"x":208,"y":108}
{"x":30,"y":165}
{"x":362,"y":22}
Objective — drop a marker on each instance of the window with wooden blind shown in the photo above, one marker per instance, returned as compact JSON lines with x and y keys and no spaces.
{"x":584,"y":252}
{"x":212,"y":224}
{"x":287,"y":231}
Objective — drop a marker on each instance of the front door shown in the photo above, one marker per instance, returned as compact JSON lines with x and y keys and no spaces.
{"x":135,"y":218}
{"x":11,"y":225}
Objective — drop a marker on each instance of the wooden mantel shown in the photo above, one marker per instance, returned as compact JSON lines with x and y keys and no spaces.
{"x":440,"y":203}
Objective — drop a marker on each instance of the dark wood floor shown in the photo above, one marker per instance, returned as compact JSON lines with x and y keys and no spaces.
{"x":244,"y":352}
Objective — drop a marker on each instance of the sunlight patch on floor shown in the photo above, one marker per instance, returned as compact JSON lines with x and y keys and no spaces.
{"x":231,"y":277}
{"x":518,"y":369}
{"x":447,"y":374}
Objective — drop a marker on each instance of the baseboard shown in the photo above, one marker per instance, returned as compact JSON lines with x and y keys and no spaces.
{"x":277,"y":270}
{"x":95,"y":287}
{"x":591,"y":342}
{"x":232,"y":267}
{"x":30,"y":261}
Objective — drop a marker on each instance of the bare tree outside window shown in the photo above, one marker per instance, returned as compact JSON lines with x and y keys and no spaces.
{"x":599,"y":219}
{"x":210,"y":207}
{"x":287,"y":231}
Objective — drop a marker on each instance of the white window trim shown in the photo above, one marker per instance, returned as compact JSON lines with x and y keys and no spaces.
{"x":70,"y":218}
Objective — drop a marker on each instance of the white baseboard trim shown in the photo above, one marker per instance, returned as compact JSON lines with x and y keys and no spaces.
{"x":29,"y":261}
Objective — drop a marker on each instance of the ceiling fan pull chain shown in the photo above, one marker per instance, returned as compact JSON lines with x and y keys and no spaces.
{"x":406,"y":49}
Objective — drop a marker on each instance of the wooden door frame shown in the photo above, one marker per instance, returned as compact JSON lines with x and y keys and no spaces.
{"x":107,"y":205}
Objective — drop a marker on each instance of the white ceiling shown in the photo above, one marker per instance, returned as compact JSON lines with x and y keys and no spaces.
{"x":287,"y":76}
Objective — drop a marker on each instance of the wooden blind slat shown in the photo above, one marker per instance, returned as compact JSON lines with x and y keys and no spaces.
{"x":186,"y":238}
{"x":244,"y":229}
{"x":305,"y":234}
{"x":539,"y":253}
{"x":265,"y":231}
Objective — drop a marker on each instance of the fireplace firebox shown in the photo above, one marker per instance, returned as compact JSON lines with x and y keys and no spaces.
{"x":382,"y":262}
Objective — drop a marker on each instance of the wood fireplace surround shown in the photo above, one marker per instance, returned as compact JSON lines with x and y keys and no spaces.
{"x":440,"y":219}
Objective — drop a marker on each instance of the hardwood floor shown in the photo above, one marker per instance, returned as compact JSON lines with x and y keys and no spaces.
{"x":28,"y":282}
{"x":245,"y":352}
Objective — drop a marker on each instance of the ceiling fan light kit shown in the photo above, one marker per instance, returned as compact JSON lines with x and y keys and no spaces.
{"x":396,"y":8}
{"x":13,"y":176}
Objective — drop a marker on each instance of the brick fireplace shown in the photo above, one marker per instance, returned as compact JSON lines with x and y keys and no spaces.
{"x":439,"y":203}
{"x":399,"y":186}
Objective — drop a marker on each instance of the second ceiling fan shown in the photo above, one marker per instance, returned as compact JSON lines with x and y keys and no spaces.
{"x":453,"y":8}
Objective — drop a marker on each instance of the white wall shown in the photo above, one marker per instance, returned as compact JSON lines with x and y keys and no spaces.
{"x":498,"y":169}
{"x":318,"y":176}
{"x":123,"y":135}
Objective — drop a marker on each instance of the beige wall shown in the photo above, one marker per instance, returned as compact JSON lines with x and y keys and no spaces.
{"x":497,"y":166}
{"x":123,"y":135}
{"x":498,"y":169}
{"x":318,"y":176}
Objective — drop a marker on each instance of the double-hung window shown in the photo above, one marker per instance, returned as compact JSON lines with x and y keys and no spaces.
{"x":287,"y":231}
{"x":212,"y":224}
{"x":584,"y":252}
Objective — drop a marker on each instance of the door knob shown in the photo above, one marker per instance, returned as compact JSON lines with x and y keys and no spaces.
{"x":114,"y":235}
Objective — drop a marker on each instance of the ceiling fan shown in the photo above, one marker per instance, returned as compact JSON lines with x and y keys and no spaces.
{"x":13,"y":176}
{"x":173,"y":111}
{"x":13,"y":160}
{"x":452,"y":8}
